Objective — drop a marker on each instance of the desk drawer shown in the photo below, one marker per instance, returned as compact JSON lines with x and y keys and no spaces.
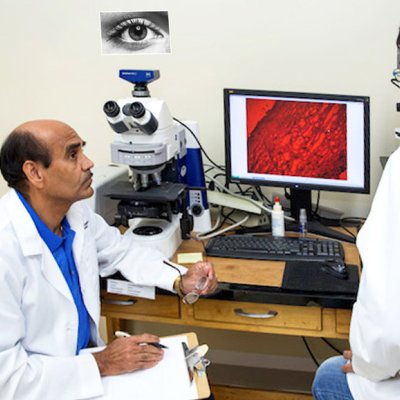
{"x":276,"y":315}
{"x":163,"y":306}
{"x":343,"y":318}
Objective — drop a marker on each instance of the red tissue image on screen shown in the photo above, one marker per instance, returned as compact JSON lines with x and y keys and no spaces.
{"x":297,"y":138}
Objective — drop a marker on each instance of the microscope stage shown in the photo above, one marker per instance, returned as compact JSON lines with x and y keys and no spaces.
{"x":167,"y":191}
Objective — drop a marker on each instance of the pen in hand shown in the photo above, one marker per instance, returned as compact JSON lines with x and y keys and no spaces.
{"x":154,"y":344}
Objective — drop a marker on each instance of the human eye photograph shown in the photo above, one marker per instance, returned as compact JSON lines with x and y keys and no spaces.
{"x":145,"y":32}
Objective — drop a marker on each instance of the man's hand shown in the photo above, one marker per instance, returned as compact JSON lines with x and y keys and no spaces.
{"x":348,"y":355}
{"x":200,"y":278}
{"x":128,"y":354}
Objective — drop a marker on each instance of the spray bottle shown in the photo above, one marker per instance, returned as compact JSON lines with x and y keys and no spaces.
{"x":277,"y":219}
{"x":303,"y":222}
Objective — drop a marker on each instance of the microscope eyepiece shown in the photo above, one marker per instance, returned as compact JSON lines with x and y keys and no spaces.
{"x":142,"y":117}
{"x":137,"y":110}
{"x":111,"y":109}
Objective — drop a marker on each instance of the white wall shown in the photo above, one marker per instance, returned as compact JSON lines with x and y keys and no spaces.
{"x":52,"y":65}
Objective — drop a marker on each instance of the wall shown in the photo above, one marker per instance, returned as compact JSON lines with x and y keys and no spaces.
{"x":52,"y":65}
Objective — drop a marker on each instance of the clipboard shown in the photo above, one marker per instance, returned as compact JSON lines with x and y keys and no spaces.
{"x":201,"y":381}
{"x":169,"y":380}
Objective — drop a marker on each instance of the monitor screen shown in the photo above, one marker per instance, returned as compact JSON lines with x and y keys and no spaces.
{"x":302,"y":141}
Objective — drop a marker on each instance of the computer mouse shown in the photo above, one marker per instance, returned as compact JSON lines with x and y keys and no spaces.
{"x":335,"y":268}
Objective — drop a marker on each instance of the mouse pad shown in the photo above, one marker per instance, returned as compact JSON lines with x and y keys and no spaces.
{"x":309,"y":277}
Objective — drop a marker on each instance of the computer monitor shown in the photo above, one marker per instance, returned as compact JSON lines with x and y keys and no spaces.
{"x":300,"y":141}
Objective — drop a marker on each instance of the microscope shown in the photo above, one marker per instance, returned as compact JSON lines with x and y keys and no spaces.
{"x":154,"y":202}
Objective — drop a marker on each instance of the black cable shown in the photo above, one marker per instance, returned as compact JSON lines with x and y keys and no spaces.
{"x":227,"y":217}
{"x":200,"y":146}
{"x":263,"y":196}
{"x":395,"y":82}
{"x":315,"y":212}
{"x":173,"y":266}
{"x":347,"y":230}
{"x":310,"y":352}
{"x":353,"y":221}
{"x":240,"y":189}
{"x":204,"y":250}
{"x":218,"y":175}
{"x":209,"y":169}
{"x":331,"y":346}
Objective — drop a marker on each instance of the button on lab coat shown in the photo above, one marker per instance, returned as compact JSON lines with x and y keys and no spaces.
{"x":38,"y":317}
{"x":375,"y":324}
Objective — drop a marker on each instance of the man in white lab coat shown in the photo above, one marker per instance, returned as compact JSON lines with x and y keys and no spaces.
{"x":370,"y":371}
{"x":53,"y":248}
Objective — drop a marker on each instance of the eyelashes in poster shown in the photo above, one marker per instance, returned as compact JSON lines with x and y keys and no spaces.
{"x":135,"y":32}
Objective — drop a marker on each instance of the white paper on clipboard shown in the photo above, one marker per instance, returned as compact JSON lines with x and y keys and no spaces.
{"x":169,"y":380}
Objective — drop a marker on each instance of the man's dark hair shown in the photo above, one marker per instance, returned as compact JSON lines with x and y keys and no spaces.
{"x":19,"y":147}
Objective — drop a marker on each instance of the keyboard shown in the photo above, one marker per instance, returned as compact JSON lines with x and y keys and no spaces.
{"x":275,"y":248}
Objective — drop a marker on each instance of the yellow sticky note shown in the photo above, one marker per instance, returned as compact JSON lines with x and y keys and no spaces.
{"x":189,"y":258}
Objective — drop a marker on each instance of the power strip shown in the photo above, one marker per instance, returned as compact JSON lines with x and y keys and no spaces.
{"x":227,"y":200}
{"x":238,"y":215}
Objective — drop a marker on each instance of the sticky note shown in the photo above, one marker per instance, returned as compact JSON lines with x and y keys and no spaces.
{"x":189,"y":258}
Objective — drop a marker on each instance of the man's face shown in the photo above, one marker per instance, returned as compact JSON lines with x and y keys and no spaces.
{"x":68,"y":178}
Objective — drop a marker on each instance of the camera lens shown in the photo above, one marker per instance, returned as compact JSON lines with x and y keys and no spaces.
{"x":111,"y":108}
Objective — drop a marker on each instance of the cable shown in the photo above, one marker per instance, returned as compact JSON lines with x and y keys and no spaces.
{"x":227,"y":217}
{"x":310,"y":352}
{"x":395,"y":82}
{"x":201,"y":236}
{"x":315,"y":212}
{"x":261,"y":207}
{"x":262,"y":196}
{"x":217,"y":225}
{"x":198,"y":142}
{"x":331,"y":346}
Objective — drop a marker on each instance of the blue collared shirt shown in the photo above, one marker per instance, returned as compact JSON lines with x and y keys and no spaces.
{"x":61,"y":248}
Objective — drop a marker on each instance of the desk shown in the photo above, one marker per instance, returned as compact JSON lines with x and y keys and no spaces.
{"x":313,"y":321}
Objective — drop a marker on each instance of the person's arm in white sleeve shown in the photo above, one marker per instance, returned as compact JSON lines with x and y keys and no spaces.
{"x":137,"y":263}
{"x":36,"y":376}
{"x":375,"y":324}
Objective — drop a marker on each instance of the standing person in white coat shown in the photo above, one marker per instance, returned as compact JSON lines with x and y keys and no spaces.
{"x":370,"y":371}
{"x":53,"y":248}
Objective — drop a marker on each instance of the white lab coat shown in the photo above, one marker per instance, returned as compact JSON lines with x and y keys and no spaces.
{"x":375,"y":324}
{"x":38,"y":317}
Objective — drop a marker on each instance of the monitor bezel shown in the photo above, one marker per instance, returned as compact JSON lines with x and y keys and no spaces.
{"x":365,"y":100}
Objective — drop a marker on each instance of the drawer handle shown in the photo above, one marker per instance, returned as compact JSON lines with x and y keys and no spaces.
{"x":269,"y":314}
{"x":119,"y":302}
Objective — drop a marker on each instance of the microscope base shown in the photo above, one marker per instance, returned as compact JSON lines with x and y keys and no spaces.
{"x":167,"y":240}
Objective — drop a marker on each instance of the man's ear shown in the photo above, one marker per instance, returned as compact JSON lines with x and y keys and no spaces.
{"x":33,"y":173}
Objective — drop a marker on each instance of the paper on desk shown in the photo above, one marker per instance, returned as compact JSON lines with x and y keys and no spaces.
{"x":189,"y":258}
{"x":169,"y":380}
{"x":130,"y":289}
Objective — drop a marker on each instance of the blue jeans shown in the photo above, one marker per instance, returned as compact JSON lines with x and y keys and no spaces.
{"x":330,"y":382}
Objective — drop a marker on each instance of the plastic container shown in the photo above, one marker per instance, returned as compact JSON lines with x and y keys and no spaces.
{"x":277,"y":219}
{"x":303,"y":222}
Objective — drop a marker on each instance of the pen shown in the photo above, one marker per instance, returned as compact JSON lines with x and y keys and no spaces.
{"x":154,"y":344}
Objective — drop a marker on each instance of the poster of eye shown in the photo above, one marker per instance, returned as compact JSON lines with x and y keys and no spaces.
{"x":135,"y":32}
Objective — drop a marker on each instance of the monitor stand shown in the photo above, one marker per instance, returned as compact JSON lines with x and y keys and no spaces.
{"x":301,"y":198}
{"x":317,"y":228}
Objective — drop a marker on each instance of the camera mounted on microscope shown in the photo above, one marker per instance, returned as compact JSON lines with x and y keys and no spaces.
{"x":140,"y":78}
